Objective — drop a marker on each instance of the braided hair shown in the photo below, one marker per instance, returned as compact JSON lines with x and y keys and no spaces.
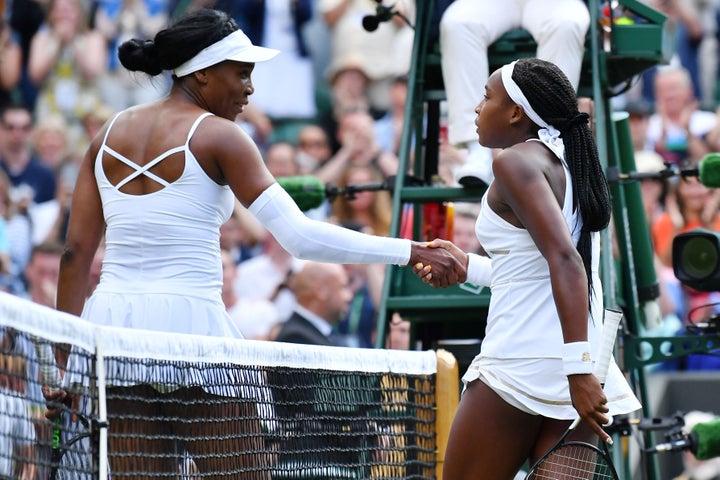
{"x":553,"y":98}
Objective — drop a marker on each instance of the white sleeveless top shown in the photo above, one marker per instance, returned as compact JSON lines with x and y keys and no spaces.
{"x":522,"y":320}
{"x":520,"y":355}
{"x":162,"y":268}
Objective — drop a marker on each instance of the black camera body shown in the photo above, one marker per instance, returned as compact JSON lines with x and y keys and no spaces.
{"x":696,"y":259}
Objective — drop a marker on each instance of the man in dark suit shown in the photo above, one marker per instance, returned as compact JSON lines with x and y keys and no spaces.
{"x":318,"y":410}
{"x":323,"y":298}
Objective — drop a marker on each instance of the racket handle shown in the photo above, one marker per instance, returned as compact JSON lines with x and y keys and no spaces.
{"x":607,"y":343}
{"x":49,"y":373}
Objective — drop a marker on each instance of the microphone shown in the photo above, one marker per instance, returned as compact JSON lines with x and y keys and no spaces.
{"x":708,"y":440}
{"x":703,"y":441}
{"x":370,"y":23}
{"x":707,"y":171}
{"x":382,"y":14}
{"x":687,"y":442}
{"x":309,"y":192}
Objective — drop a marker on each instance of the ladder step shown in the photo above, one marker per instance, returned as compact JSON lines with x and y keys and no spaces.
{"x":429,"y":194}
{"x":434,"y":95}
{"x":438,"y":302}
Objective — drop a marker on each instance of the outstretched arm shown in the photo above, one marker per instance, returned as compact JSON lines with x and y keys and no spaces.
{"x":243,"y":167}
{"x":324,"y":242}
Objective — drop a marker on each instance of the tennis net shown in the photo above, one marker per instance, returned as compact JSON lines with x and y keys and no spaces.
{"x":144,"y":404}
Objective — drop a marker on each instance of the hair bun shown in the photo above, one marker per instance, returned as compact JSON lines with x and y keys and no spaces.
{"x":140,"y":56}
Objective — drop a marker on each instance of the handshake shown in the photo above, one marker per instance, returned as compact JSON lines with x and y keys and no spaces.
{"x":439,"y":263}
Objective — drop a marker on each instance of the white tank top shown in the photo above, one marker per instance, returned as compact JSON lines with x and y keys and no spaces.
{"x":522,"y":320}
{"x":166,"y":241}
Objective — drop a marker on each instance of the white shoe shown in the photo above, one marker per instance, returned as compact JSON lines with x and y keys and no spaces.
{"x":477,"y":169}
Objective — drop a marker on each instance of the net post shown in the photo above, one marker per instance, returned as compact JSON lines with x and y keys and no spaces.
{"x":447,"y":397}
{"x":102,"y":407}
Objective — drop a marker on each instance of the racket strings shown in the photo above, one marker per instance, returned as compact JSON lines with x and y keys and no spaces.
{"x":573,"y":462}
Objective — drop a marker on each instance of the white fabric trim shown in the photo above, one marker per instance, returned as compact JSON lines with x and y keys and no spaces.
{"x":236,"y":46}
{"x":548,"y":134}
{"x":137,"y":343}
{"x":45,"y":322}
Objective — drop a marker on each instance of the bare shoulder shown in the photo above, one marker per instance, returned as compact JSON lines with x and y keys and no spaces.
{"x":216,"y":134}
{"x":521,"y":163}
{"x":230,"y":156}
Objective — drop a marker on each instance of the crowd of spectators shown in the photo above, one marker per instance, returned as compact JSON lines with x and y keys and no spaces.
{"x":331,"y":105}
{"x":674,"y":122}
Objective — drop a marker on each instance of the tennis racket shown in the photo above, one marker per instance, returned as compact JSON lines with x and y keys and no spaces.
{"x":49,"y":373}
{"x":580,"y":460}
{"x":50,"y":376}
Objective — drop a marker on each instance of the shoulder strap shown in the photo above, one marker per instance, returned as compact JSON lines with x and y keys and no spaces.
{"x":112,"y":122}
{"x":195,"y":125}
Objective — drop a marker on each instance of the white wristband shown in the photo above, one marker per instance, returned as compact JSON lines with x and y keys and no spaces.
{"x":479,"y":270}
{"x":576,"y":358}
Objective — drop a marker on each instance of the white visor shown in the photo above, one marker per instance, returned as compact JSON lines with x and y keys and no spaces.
{"x":236,"y":46}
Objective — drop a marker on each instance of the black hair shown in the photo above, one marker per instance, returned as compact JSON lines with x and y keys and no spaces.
{"x":49,"y":247}
{"x":553,"y":98}
{"x":15,"y":105}
{"x":178,"y":43}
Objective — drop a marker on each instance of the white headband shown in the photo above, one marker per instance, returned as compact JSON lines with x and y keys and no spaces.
{"x":548,"y":134}
{"x":236,"y":46}
{"x":518,"y":96}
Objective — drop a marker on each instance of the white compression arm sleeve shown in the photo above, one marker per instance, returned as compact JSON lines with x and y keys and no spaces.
{"x":479,"y":270}
{"x":308,"y":239}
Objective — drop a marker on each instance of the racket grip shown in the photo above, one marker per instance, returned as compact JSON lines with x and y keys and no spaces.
{"x":49,"y":373}
{"x":607,"y":342}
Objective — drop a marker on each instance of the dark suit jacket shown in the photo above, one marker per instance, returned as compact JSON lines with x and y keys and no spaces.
{"x":297,"y":329}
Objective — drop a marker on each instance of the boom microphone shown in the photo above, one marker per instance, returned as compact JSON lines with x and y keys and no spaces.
{"x":707,"y":171}
{"x":703,"y":441}
{"x":309,"y":192}
{"x":708,"y":439}
{"x":687,"y":442}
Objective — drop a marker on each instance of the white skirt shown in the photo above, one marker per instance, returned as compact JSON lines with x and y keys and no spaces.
{"x":538,"y":386}
{"x":165,"y":312}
